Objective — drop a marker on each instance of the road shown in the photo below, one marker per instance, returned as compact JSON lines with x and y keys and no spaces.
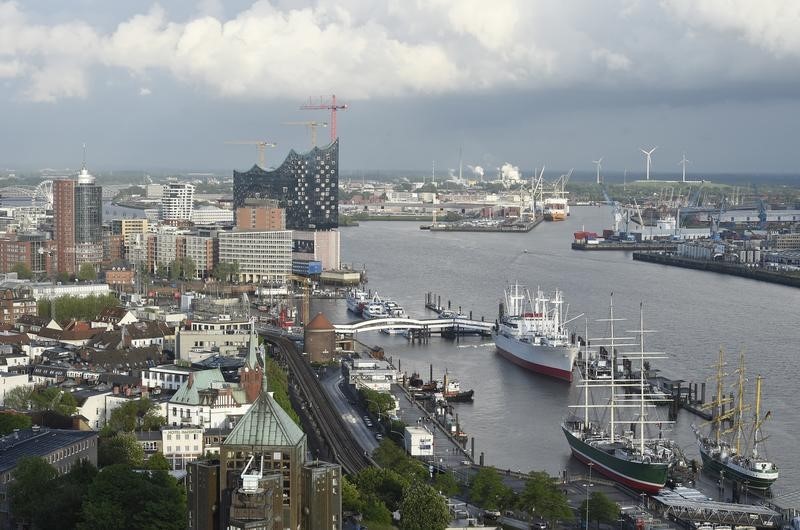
{"x":351,"y":415}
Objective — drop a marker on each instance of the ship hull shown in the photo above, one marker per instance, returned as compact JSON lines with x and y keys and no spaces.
{"x":554,"y":361}
{"x":735,"y":472}
{"x":649,"y":478}
{"x":355,"y":306}
{"x":555,"y":216}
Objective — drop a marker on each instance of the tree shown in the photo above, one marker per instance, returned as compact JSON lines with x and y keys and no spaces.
{"x":85,"y":308}
{"x":487,"y":489}
{"x":601,"y":508}
{"x":351,"y":497}
{"x":389,"y":455}
{"x":122,"y":448}
{"x":162,"y":271}
{"x":54,"y":399}
{"x":22,"y":270}
{"x":385,"y":483}
{"x":19,"y":398}
{"x":63,"y":277}
{"x":542,"y":497}
{"x":32,"y":476}
{"x":10,"y":421}
{"x":124,"y":499}
{"x":375,"y":512}
{"x":446,"y":484}
{"x":138,"y":415}
{"x":422,"y":508}
{"x":64,"y":497}
{"x":158,"y":461}
{"x":87,"y":272}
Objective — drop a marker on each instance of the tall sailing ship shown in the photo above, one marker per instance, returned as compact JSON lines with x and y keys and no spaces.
{"x":619,"y":448}
{"x":731,"y":452}
{"x":532,"y":333}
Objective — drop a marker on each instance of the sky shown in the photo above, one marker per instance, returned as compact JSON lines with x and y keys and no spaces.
{"x":519,"y":82}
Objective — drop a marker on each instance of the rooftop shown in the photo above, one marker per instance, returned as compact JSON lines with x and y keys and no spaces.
{"x":266,"y":424}
{"x":36,"y":441}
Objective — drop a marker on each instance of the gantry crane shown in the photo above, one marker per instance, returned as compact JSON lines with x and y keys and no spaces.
{"x":330,"y":105}
{"x":311,"y":126}
{"x":261,"y":146}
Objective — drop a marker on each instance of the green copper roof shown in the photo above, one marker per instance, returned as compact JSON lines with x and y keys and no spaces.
{"x":266,"y":424}
{"x":188,"y":392}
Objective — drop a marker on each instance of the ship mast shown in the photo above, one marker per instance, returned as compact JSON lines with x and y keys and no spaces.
{"x":613,"y":356}
{"x":641,"y":379}
{"x":586,"y":377}
{"x":740,"y":406}
{"x":757,"y":418}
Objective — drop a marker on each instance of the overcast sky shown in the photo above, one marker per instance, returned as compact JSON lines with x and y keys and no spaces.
{"x":528,"y":82}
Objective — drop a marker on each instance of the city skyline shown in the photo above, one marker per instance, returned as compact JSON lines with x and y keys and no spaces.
{"x":525,"y":83}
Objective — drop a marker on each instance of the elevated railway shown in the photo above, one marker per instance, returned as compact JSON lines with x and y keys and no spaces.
{"x":343,"y":446}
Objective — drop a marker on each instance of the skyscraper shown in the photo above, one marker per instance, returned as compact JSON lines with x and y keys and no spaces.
{"x":78,"y":220}
{"x":305,"y":184}
{"x":88,"y":221}
{"x":64,"y":224}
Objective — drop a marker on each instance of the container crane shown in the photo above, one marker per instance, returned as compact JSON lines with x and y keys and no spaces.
{"x":261,"y":146}
{"x":330,"y":105}
{"x":311,"y":126}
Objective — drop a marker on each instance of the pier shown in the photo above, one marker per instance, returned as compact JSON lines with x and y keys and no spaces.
{"x":733,"y":269}
{"x":627,"y":245}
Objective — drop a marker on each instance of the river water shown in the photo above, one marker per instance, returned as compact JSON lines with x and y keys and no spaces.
{"x":516,"y":414}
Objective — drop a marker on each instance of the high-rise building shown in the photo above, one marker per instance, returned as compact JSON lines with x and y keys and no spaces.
{"x":88,"y":220}
{"x":322,"y":496}
{"x":177,"y":202}
{"x":306,"y":185}
{"x":64,"y":224}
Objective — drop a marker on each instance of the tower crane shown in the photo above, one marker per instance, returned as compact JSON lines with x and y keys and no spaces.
{"x":330,"y":105}
{"x":312,"y":128}
{"x":261,"y":146}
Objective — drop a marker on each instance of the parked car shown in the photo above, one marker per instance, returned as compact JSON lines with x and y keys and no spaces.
{"x":491,"y":515}
{"x":378,"y":436}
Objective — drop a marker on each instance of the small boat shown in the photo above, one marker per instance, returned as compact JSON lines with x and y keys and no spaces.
{"x":356,"y":300}
{"x":394,"y":331}
{"x":374,"y":308}
{"x":451,"y":391}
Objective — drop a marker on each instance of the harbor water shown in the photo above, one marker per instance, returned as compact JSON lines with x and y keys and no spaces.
{"x":516,"y":415}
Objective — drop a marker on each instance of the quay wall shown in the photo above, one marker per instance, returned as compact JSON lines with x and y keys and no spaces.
{"x":719,"y":267}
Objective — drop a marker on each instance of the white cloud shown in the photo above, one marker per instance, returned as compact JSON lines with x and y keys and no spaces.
{"x":144,"y":91}
{"x":611,"y":60}
{"x":361,"y":49}
{"x":769,"y":24}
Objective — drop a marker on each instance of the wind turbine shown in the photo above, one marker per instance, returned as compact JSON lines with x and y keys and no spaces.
{"x":649,"y":160}
{"x":598,"y":164}
{"x":683,"y":163}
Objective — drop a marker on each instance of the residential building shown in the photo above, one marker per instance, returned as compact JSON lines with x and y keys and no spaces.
{"x":16,"y":302}
{"x":194,"y":346}
{"x":170,"y":246}
{"x":60,"y":448}
{"x":167,"y":377}
{"x":263,"y":256}
{"x":202,"y":251}
{"x":123,"y":227}
{"x":10,"y":381}
{"x":48,"y":291}
{"x":305,"y":184}
{"x":34,"y":249}
{"x":121,"y":278}
{"x":177,"y":202}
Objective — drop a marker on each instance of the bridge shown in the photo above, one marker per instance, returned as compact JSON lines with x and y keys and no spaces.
{"x":433,"y":324}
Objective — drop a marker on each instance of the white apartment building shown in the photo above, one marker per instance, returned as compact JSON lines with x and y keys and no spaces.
{"x":262,"y":256}
{"x":10,"y":381}
{"x":177,"y":202}
{"x":201,"y":250}
{"x":167,"y":377}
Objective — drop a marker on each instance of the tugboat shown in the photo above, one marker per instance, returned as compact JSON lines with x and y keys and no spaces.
{"x":738,"y":459}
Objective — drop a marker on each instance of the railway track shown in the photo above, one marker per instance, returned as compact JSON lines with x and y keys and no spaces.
{"x":344,"y":447}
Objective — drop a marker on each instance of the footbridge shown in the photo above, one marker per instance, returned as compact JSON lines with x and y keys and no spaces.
{"x":431,"y":325}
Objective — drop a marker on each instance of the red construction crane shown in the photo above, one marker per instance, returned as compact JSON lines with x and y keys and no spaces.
{"x":327,"y":105}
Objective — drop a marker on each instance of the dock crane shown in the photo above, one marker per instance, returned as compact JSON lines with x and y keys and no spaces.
{"x":714,"y":221}
{"x":330,"y":105}
{"x":312,"y":128}
{"x":261,"y":146}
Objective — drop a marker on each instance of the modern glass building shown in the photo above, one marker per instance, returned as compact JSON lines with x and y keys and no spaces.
{"x":88,"y":220}
{"x":306,"y":185}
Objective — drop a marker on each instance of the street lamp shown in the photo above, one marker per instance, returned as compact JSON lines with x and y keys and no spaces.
{"x":587,"y":485}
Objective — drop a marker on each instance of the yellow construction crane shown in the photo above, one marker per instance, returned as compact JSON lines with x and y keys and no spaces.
{"x":311,"y":126}
{"x":261,"y":146}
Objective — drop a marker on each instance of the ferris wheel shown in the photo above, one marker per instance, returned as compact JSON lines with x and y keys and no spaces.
{"x":43,"y":195}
